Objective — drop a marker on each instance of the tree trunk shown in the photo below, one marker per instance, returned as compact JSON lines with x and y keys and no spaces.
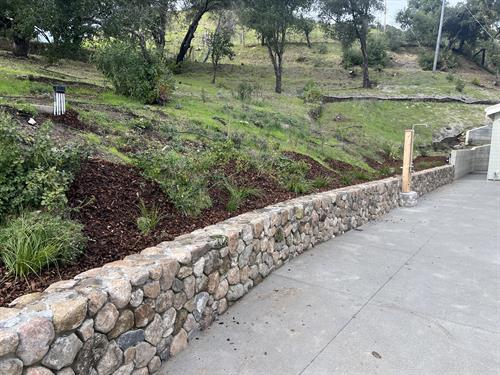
{"x":21,"y":46}
{"x":364,"y":52}
{"x":215,"y":73}
{"x":308,"y":39}
{"x":186,"y":42}
{"x":277,"y":61}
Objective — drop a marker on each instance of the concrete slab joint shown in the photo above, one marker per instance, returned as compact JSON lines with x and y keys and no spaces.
{"x":131,"y":315}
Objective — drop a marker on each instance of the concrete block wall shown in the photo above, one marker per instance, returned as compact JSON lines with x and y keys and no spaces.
{"x":131,"y":315}
{"x":470,"y":160}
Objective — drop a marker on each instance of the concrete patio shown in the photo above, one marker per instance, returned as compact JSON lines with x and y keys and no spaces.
{"x":417,"y":292}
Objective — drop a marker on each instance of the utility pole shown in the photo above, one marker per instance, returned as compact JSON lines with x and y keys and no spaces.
{"x":438,"y":43}
{"x":385,"y":16}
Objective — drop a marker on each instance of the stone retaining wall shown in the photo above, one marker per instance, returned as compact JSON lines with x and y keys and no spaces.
{"x":129,"y":316}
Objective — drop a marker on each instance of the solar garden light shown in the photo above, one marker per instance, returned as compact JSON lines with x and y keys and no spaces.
{"x":59,"y":100}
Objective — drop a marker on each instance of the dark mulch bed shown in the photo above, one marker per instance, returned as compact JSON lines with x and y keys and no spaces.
{"x":71,"y":120}
{"x":106,"y":196}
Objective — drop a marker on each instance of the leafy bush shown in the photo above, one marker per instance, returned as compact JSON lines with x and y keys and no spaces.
{"x":34,"y":174}
{"x":376,"y":48}
{"x":36,"y":240}
{"x":238,"y":195}
{"x":149,"y":218}
{"x":311,"y":92}
{"x":446,"y":60}
{"x":292,"y":175}
{"x":245,"y":91}
{"x":183,"y":178}
{"x":351,"y":57}
{"x":475,"y":81}
{"x":132,"y":75}
{"x":395,"y":38}
{"x":459,"y":85}
{"x":450,"y":77}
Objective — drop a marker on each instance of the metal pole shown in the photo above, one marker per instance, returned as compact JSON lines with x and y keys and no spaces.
{"x":438,"y":43}
{"x":385,"y":16}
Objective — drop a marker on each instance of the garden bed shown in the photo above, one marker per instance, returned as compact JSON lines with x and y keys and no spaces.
{"x":105,"y":198}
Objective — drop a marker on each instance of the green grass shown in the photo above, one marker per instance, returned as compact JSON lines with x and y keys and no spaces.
{"x":202,"y":113}
{"x":37,"y":240}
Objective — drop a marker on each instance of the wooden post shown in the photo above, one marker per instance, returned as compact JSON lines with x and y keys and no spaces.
{"x":407,"y":160}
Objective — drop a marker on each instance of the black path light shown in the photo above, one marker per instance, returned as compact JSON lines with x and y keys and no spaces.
{"x":59,"y":100}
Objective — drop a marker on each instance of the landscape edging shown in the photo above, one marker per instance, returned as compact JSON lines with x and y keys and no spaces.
{"x":131,"y":315}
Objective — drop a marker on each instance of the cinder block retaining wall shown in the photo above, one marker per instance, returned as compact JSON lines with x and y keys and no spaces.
{"x":129,"y":316}
{"x":470,"y":160}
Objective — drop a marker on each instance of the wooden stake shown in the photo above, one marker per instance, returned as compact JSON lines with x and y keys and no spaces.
{"x":407,"y":160}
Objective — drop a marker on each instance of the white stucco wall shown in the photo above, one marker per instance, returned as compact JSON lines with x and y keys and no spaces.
{"x":494,"y":162}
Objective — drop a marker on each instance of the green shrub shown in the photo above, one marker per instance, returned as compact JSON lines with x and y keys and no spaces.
{"x":238,"y":195}
{"x":475,"y":81}
{"x":149,"y":218}
{"x":459,"y":85}
{"x":395,"y":38}
{"x":131,"y":75}
{"x":446,"y":61}
{"x":450,"y":77}
{"x":245,"y":91}
{"x":312,"y":93}
{"x":34,"y":173}
{"x":323,"y":49}
{"x":320,"y":182}
{"x":292,"y":175}
{"x":36,"y":240}
{"x":183,"y":178}
{"x":346,"y":180}
{"x":351,"y":56}
{"x":377,"y":49}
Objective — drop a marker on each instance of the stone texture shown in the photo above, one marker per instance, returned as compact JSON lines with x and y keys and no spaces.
{"x":179,"y":343}
{"x":189,"y":286}
{"x":119,"y":291}
{"x":91,"y":353}
{"x":144,"y":352}
{"x":154,"y":331}
{"x":8,"y":341}
{"x":38,"y":370}
{"x":111,"y":360}
{"x":124,"y":323}
{"x":143,"y":315}
{"x":125,"y":369}
{"x":170,"y":269}
{"x":221,"y":290}
{"x":136,"y":298}
{"x":131,"y":338}
{"x":69,"y":314}
{"x":35,"y":336}
{"x":106,"y":319}
{"x":152,"y":289}
{"x":62,"y":352}
{"x":11,"y":366}
{"x":66,"y":371}
{"x":164,"y":301}
{"x":86,"y":330}
{"x":154,"y":365}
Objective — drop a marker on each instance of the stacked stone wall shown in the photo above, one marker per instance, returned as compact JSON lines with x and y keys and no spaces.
{"x":129,"y":316}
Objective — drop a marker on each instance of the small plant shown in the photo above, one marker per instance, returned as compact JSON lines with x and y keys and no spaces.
{"x":323,"y":49}
{"x":245,"y":91}
{"x":204,"y":97}
{"x":311,"y":92}
{"x":149,"y":218}
{"x":361,"y":175}
{"x":320,"y":182}
{"x":238,"y":195}
{"x":476,"y":82}
{"x":459,"y":85}
{"x":143,"y":124}
{"x":346,"y":180}
{"x":450,"y":77}
{"x":36,"y":240}
{"x":297,"y":184}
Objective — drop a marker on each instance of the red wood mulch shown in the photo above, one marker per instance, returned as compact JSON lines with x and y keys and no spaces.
{"x":107,"y":196}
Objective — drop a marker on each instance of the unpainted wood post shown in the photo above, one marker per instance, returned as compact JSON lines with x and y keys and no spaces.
{"x":407,"y":160}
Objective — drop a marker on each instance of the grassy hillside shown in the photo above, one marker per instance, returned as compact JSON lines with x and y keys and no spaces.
{"x":201,"y":111}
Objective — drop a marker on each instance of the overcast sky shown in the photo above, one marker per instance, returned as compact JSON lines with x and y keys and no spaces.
{"x":394,"y":6}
